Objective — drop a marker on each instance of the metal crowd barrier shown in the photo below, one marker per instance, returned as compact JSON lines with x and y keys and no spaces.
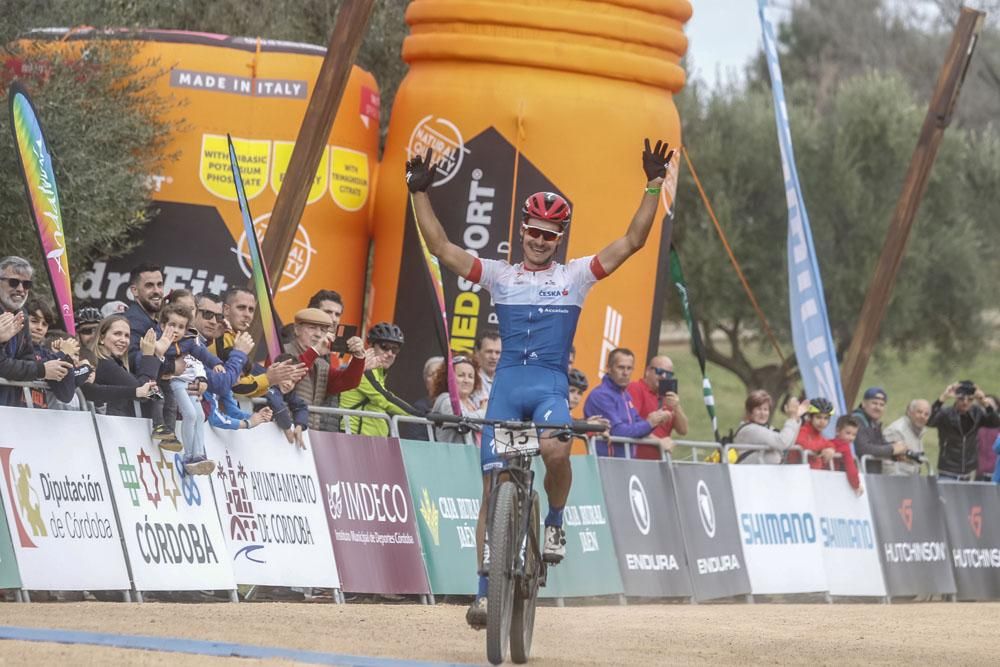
{"x":867,"y":458}
{"x":762,"y":448}
{"x":40,"y":385}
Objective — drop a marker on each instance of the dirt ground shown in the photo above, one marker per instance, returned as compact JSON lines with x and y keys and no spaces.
{"x":818,"y":634}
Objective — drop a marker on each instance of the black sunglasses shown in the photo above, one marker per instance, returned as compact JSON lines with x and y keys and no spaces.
{"x":86,"y":331}
{"x":663,"y":372}
{"x":209,"y":315}
{"x":17,"y":282}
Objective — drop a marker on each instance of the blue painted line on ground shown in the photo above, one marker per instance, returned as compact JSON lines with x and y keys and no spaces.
{"x":200,"y":647}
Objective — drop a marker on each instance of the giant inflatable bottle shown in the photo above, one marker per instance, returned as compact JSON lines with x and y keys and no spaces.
{"x":257,"y":90}
{"x":517,"y":96}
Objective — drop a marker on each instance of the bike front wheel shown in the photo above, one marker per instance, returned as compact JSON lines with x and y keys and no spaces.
{"x":503,"y":547}
{"x":522,"y":623}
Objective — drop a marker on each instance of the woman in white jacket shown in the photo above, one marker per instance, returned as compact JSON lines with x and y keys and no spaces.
{"x":755,"y":429}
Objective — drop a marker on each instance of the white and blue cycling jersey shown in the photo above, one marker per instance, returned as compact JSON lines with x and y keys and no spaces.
{"x":538,"y":313}
{"x":537,"y":310}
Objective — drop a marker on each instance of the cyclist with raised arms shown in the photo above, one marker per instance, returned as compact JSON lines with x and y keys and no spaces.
{"x":538,"y":303}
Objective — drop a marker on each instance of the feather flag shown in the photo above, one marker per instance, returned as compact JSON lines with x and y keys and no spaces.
{"x":434,"y":268}
{"x":43,"y":198}
{"x":258,"y":271}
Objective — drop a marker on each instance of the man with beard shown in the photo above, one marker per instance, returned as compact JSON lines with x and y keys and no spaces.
{"x":17,"y":354}
{"x":238,"y":307}
{"x":145,"y":284}
{"x":538,"y":303}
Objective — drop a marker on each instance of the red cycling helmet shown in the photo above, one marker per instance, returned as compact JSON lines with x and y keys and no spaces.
{"x":547,"y":206}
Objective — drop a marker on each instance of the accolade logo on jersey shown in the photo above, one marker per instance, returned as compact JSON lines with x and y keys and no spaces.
{"x":706,"y":509}
{"x":639,"y":504}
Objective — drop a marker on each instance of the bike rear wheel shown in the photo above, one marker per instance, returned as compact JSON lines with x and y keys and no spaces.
{"x":522,"y":622}
{"x":503,"y":548}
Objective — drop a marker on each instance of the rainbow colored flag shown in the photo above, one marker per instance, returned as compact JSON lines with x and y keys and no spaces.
{"x":258,"y":271}
{"x":43,"y":198}
{"x":434,"y":268}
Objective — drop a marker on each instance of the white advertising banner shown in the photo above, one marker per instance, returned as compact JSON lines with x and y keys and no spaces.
{"x":272,"y":509}
{"x":172,"y":532}
{"x":781,"y":535}
{"x":847,"y":536}
{"x":57,"y":502}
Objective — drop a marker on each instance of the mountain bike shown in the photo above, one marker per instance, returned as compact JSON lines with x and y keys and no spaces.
{"x":513,"y":555}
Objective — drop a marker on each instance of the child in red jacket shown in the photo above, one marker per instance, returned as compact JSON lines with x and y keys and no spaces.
{"x":811,"y":438}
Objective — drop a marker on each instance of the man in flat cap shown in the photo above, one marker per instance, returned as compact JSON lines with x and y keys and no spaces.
{"x":314,"y":335}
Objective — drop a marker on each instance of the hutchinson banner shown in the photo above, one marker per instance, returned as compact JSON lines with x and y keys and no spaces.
{"x":57,"y":502}
{"x":972,"y":517}
{"x":171,"y":528}
{"x":268,"y":496}
{"x":711,"y":535}
{"x":590,"y":567}
{"x":913,"y":540}
{"x":446,"y":483}
{"x":777,"y":517}
{"x":647,"y":531}
{"x":847,"y":535}
{"x":370,"y":513}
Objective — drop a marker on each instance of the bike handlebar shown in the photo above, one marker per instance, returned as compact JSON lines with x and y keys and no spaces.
{"x":581,"y":428}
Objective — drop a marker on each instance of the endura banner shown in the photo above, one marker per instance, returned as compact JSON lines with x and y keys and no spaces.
{"x":446,"y":486}
{"x":646,"y":528}
{"x":846,"y":533}
{"x":58,"y":504}
{"x":711,"y":536}
{"x":779,"y":528}
{"x":912,"y":539}
{"x":171,"y":529}
{"x":589,"y":567}
{"x":370,"y":513}
{"x":972,"y":517}
{"x":268,"y":496}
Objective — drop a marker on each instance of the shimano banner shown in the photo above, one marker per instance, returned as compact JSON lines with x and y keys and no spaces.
{"x":589,"y":567}
{"x":847,"y":535}
{"x":814,"y":349}
{"x":273,"y":516}
{"x":711,"y":535}
{"x":779,"y":527}
{"x":447,"y":488}
{"x":370,"y":513}
{"x":644,"y":522}
{"x":911,"y":533}
{"x":972,"y":517}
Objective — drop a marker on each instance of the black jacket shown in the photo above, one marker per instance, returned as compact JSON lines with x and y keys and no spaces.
{"x":114,"y":387}
{"x":870,"y":442}
{"x":18,"y":364}
{"x":957,"y":435}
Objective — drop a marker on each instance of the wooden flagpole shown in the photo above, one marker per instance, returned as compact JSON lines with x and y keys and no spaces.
{"x":939,"y":113}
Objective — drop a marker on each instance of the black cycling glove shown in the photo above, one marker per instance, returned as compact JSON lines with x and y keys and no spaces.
{"x":655,"y":161}
{"x":420,"y":172}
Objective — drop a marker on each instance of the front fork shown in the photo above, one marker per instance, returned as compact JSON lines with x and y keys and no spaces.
{"x":523,"y":478}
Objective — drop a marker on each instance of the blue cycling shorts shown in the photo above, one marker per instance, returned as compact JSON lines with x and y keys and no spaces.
{"x":526,"y":393}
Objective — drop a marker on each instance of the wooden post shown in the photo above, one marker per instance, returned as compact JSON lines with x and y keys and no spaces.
{"x":345,"y":40}
{"x":949,"y":83}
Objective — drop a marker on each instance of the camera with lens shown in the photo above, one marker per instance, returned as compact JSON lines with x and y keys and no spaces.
{"x":155,"y":393}
{"x":916,"y":457}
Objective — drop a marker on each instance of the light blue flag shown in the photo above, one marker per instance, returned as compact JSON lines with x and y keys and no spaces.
{"x":814,"y":349}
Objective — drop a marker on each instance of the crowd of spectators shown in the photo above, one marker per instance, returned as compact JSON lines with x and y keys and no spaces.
{"x":188,"y":355}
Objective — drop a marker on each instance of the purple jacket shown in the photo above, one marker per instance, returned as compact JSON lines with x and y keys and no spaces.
{"x":615,"y":404}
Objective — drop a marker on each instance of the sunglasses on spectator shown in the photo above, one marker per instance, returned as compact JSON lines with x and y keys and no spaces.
{"x":86,"y":331}
{"x":388,"y":347}
{"x":209,"y":315}
{"x":663,"y":372}
{"x":17,"y":282}
{"x":460,"y":359}
{"x":538,"y":232}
